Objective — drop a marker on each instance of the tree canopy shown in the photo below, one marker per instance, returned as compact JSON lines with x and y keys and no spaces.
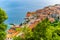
{"x":3,"y":15}
{"x":44,"y":30}
{"x":3,"y":26}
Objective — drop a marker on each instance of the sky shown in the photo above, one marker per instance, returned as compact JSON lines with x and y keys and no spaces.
{"x":17,"y":9}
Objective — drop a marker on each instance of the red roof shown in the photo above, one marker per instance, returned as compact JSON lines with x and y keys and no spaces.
{"x":33,"y":25}
{"x":51,"y":19}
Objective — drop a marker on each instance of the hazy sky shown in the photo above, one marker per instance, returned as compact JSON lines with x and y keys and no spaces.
{"x":17,"y":9}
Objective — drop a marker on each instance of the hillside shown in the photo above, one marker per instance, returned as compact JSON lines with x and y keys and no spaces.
{"x":52,"y":13}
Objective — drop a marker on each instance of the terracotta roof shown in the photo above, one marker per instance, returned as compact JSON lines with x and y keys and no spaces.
{"x":28,"y":14}
{"x":51,"y":19}
{"x":12,"y":35}
{"x":11,"y":31}
{"x":33,"y":25}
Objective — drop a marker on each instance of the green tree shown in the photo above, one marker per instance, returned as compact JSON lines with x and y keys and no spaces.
{"x":3,"y":26}
{"x":45,"y":30}
{"x":18,"y":38}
